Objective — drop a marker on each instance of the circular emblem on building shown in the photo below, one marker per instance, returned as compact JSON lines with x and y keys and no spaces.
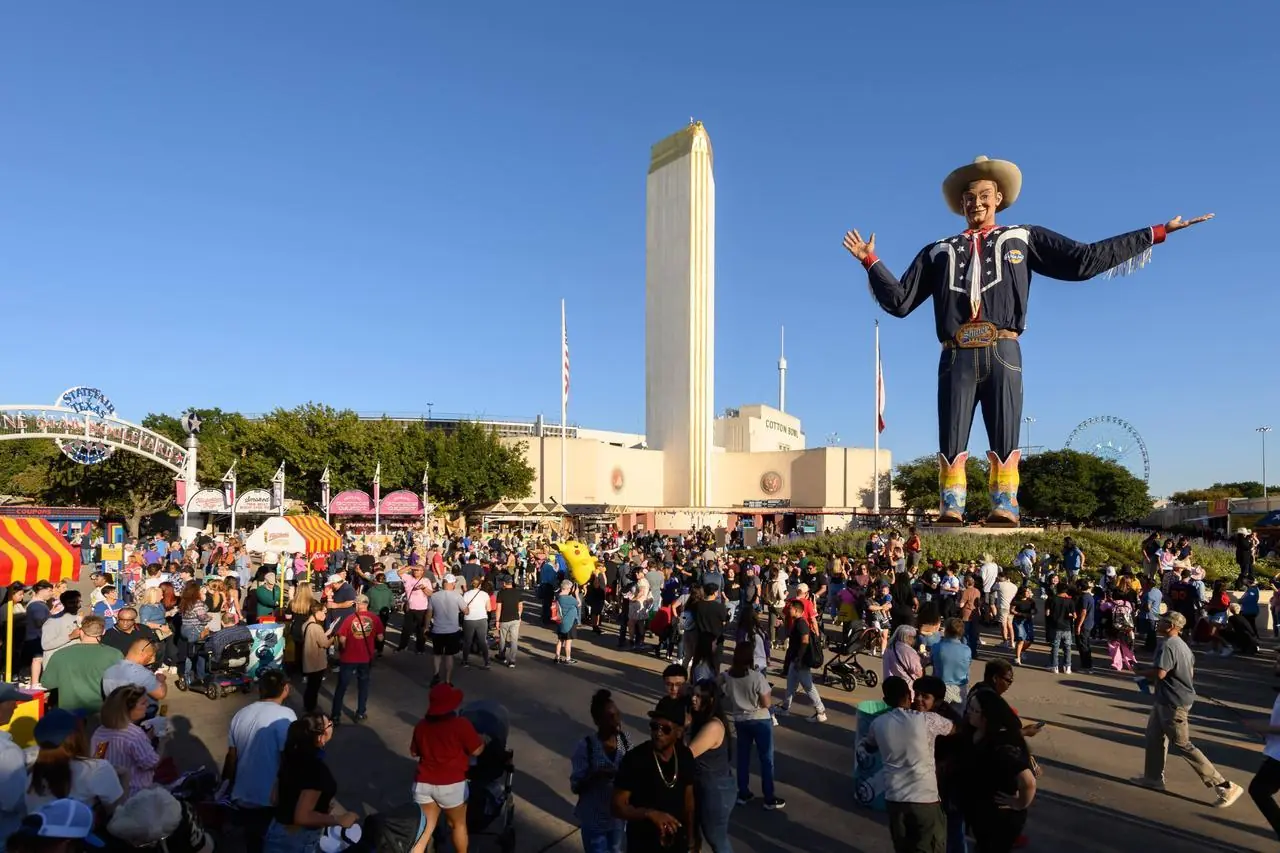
{"x":617,"y":480}
{"x":94,"y":402}
{"x":771,"y":483}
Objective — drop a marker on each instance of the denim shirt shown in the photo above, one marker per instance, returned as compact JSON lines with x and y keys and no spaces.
{"x":594,"y":810}
{"x":951,"y":659}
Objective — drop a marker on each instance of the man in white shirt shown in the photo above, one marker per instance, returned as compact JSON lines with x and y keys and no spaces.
{"x":904,"y":739}
{"x":989,"y":572}
{"x":13,"y":767}
{"x":255,"y":739}
{"x":1004,"y":592}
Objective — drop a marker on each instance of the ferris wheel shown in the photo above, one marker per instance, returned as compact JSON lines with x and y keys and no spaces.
{"x":1115,"y":440}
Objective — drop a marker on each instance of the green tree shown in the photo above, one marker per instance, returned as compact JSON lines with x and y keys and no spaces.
{"x":1219,"y":491}
{"x":1122,"y":497}
{"x":1064,"y":485}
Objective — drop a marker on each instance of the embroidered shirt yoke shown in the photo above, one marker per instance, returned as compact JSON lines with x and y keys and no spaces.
{"x":986,"y":275}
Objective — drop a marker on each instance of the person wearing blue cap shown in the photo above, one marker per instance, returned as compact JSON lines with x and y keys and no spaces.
{"x":67,"y":821}
{"x":64,"y":769}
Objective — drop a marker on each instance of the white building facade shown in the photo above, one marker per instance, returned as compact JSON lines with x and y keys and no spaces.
{"x":680,"y":313}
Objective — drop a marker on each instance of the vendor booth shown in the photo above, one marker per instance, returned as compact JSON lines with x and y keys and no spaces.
{"x":30,"y":550}
{"x":292,"y":534}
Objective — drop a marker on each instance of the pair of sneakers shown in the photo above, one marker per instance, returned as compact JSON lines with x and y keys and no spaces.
{"x":1227,"y":792}
{"x":774,"y":804}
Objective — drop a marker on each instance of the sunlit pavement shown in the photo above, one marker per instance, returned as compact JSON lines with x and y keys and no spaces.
{"x":1090,"y":748}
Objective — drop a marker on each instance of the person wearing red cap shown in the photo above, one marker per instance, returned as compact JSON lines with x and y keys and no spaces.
{"x":444,"y":743}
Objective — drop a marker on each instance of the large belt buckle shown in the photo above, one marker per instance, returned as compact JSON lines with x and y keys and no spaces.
{"x":975,"y":335}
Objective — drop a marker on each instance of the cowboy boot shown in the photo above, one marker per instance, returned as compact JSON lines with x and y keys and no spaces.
{"x":1003,"y":482}
{"x":953,"y":488}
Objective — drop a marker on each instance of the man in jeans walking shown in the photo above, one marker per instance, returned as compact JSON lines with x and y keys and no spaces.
{"x":358,"y":636}
{"x":1174,"y":677}
{"x":510,"y":611}
{"x":1059,"y":624}
{"x":799,"y":661}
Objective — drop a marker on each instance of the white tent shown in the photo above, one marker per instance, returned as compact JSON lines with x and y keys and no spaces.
{"x":291,"y":534}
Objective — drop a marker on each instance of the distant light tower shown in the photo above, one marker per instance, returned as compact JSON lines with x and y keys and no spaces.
{"x":782,"y":371}
{"x":1263,"y":430}
{"x":833,"y":439}
{"x":1026,"y":449}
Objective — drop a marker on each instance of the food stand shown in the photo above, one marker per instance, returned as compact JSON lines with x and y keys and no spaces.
{"x":30,"y":550}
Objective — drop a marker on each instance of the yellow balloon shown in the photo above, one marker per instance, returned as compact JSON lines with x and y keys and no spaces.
{"x":579,"y":560}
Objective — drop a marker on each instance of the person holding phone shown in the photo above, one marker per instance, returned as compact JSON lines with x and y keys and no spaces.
{"x":653,"y":790}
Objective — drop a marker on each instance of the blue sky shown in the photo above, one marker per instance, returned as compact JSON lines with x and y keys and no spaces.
{"x":380,"y":205}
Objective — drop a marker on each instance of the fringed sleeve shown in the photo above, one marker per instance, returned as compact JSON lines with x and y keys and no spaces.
{"x":1056,"y":256}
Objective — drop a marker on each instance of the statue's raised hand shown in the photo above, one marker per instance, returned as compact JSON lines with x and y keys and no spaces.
{"x":858,"y":247}
{"x":1177,"y":223}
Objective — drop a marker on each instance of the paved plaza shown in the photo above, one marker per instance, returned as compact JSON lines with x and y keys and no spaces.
{"x":1092,"y":745}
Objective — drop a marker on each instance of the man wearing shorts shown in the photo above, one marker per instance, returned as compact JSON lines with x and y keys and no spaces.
{"x":445,"y":611}
{"x":1005,"y":590}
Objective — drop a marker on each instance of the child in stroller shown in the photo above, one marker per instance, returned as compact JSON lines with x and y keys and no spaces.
{"x":842,"y":668}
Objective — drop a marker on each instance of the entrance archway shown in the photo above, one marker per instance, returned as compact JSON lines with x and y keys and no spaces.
{"x":82,"y":434}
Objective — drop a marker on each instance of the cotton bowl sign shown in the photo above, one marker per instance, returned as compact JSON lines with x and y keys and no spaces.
{"x":84,"y":399}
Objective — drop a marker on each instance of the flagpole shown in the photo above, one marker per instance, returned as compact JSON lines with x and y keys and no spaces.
{"x":875,"y":482}
{"x":564,"y":402}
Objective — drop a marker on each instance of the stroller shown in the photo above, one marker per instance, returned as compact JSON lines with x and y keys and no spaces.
{"x":490,"y":805}
{"x":227,"y":654}
{"x":842,"y":668}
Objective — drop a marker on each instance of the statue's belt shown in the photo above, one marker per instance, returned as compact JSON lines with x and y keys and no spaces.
{"x":979,"y":334}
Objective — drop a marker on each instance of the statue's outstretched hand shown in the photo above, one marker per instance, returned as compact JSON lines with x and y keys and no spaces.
{"x":1177,"y":224}
{"x":858,"y":247}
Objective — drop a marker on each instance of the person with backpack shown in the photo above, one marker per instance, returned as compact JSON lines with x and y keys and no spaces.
{"x":594,"y":764}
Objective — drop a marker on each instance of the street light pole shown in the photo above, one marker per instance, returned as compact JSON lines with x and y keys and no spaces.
{"x":1263,"y":430}
{"x":1026,"y":448}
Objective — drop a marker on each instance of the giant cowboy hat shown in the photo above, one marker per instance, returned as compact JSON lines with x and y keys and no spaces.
{"x":1007,"y":176}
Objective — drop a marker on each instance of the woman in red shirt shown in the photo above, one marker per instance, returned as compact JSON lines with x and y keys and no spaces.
{"x":444,"y":744}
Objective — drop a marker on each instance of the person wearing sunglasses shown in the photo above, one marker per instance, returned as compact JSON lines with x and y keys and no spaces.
{"x":653,"y":790}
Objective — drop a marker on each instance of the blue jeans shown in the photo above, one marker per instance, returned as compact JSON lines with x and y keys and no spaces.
{"x":759,"y":732}
{"x":282,"y":839}
{"x":1060,"y":640}
{"x":603,"y":840}
{"x":345,"y":671}
{"x":971,"y":629}
{"x":192,"y":638}
{"x":715,"y":798}
{"x":956,"y":840}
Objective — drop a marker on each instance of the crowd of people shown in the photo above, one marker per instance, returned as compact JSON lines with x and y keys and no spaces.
{"x":729,"y":627}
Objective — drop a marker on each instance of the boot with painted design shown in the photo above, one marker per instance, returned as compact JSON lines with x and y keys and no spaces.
{"x":953,"y":489}
{"x":1003,"y":482}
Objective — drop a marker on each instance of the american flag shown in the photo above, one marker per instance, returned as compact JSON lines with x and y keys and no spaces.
{"x":564,"y":357}
{"x":879,"y":390}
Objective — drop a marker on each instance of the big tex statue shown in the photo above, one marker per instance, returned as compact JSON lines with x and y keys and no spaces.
{"x":980,"y":283}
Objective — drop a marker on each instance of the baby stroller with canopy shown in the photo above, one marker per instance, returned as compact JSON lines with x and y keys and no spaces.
{"x":843,"y":669}
{"x":490,"y":804}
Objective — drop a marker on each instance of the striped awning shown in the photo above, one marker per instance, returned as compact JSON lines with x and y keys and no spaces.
{"x":31,"y":550}
{"x":319,"y":536}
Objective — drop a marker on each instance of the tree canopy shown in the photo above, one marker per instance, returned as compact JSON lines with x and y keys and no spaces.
{"x":1059,"y":485}
{"x":1219,"y":491}
{"x":470,"y":465}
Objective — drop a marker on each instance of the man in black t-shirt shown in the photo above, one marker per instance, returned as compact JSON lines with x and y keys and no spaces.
{"x":1059,"y":623}
{"x":653,"y":791}
{"x":510,"y":609}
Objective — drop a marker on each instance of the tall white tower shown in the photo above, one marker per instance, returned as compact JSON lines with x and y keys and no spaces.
{"x":782,"y":371}
{"x":680,"y":253}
